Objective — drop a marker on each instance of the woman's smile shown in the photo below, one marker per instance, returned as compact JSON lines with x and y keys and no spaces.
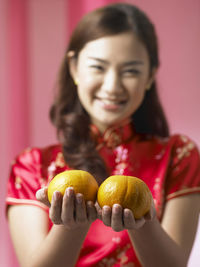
{"x":109,"y":104}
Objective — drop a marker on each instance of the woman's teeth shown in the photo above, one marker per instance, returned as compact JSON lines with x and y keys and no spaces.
{"x":112,"y":102}
{"x":109,"y":104}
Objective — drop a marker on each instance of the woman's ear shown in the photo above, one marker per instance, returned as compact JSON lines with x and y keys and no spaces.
{"x":151,"y":78}
{"x":72,"y":65}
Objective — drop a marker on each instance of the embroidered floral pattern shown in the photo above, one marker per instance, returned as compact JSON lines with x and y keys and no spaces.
{"x":160,"y":155}
{"x":159,"y":203}
{"x":121,"y":160}
{"x":56,"y":166}
{"x":184,"y":138}
{"x":185,"y":150}
{"x":157,"y":185}
{"x":60,"y":160}
{"x":119,"y":256}
{"x":51,"y":170}
{"x":112,"y":139}
{"x":122,"y":154}
{"x":116,"y":240}
{"x":122,"y":257}
{"x":158,"y":193}
{"x":113,"y":136}
{"x":18,"y":182}
{"x":107,"y":262}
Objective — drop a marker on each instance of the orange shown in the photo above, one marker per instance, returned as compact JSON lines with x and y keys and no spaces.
{"x":128,"y":191}
{"x":82,"y":182}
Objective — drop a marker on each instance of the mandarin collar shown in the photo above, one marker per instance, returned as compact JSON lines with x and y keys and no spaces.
{"x":113,"y":136}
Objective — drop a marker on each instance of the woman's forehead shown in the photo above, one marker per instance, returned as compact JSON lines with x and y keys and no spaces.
{"x":123,"y":45}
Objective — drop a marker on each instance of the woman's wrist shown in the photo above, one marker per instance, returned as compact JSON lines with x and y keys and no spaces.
{"x":145,"y":228}
{"x":74,"y":230}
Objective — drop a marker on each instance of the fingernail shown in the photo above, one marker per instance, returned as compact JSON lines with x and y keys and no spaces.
{"x":106,"y":209}
{"x":69,"y":191}
{"x":79,"y":198}
{"x":90,"y":203}
{"x":116,"y":208}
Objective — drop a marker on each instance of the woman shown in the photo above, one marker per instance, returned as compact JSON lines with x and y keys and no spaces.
{"x":109,"y":121}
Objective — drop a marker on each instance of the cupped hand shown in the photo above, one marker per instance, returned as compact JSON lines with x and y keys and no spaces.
{"x":69,"y":210}
{"x":119,"y":219}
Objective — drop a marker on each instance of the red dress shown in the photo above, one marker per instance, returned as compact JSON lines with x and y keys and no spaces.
{"x":169,"y":166}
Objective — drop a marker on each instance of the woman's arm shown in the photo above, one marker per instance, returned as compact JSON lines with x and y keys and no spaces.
{"x":166,"y":244}
{"x":36,"y":247}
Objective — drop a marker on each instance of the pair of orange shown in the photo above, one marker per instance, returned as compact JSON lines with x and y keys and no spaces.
{"x":128,"y":191}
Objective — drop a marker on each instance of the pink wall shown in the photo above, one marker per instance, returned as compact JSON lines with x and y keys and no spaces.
{"x":47,"y":41}
{"x":177,"y":23}
{"x":14,"y":120}
{"x":32,"y":42}
{"x":28,"y":72}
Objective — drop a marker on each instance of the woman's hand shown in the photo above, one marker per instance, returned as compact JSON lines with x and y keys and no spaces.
{"x":120,"y":219}
{"x":69,"y":210}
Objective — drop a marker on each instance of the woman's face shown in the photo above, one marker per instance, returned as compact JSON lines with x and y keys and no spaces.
{"x":112,"y":75}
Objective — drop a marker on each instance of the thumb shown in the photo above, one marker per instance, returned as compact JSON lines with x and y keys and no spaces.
{"x":41,"y":195}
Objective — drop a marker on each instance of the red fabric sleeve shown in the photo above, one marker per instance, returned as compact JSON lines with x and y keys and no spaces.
{"x":25,"y":179}
{"x":184,"y":171}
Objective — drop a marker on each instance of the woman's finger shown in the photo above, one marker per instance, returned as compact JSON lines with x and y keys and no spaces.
{"x":106,"y":215}
{"x":56,"y":207}
{"x":99,"y":210}
{"x":91,"y":211}
{"x":81,"y":215}
{"x":129,"y":220}
{"x":41,"y":195}
{"x":117,"y":218}
{"x":68,"y":207}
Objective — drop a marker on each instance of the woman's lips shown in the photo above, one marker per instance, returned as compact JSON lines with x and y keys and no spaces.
{"x":109,"y":104}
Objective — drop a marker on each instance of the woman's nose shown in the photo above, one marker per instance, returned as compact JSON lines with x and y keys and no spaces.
{"x":112,"y":83}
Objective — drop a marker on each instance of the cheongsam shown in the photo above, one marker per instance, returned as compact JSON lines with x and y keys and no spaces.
{"x":169,"y":166}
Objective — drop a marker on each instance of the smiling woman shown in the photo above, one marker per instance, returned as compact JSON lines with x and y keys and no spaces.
{"x":112,"y":88}
{"x":109,"y":121}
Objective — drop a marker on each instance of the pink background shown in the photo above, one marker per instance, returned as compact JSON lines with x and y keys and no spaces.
{"x":33,"y":37}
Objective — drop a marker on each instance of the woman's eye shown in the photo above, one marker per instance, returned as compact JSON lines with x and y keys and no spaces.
{"x":97,"y":67}
{"x":131,"y":72}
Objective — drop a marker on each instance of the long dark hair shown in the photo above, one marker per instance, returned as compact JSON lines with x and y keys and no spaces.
{"x":68,"y":115}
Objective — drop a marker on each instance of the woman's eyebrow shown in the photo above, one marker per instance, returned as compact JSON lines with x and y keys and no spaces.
{"x":128,"y":63}
{"x":100,"y":60}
